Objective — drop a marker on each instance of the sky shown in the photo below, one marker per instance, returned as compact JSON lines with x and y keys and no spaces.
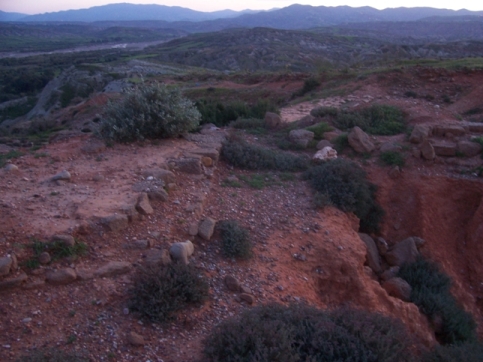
{"x":43,"y":6}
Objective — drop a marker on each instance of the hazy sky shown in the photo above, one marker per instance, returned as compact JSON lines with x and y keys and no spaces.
{"x":43,"y":6}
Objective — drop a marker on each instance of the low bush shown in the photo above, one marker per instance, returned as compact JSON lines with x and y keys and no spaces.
{"x":310,"y":84}
{"x":56,"y":249}
{"x":248,"y":123}
{"x":149,"y":112}
{"x":158,"y":293}
{"x":235,"y":240}
{"x":392,"y":158}
{"x":302,"y":333}
{"x":53,"y":355}
{"x":467,"y":352}
{"x":321,"y":112}
{"x":341,"y":142}
{"x":319,"y":129}
{"x":431,"y":293}
{"x":345,"y":185}
{"x":241,"y":154}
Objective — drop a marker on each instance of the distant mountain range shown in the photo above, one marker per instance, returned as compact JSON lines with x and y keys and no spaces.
{"x":291,"y":17}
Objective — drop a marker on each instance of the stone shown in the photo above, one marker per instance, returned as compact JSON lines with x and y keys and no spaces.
{"x":420,"y":133}
{"x":232,"y":284}
{"x":418,"y":241}
{"x":468,"y":148}
{"x":325,"y":154}
{"x":444,"y":149}
{"x":115,"y":222}
{"x":84,"y":274}
{"x":206,"y":228}
{"x":372,"y":256}
{"x":323,"y":143}
{"x":360,"y":141}
{"x":245,"y":290}
{"x":445,"y":130}
{"x":207,"y":161}
{"x":61,"y":276}
{"x":143,"y":206}
{"x":398,"y":288}
{"x":157,"y":257}
{"x":135,"y":339}
{"x":390,"y":147}
{"x":137,"y":245}
{"x":193,"y":229}
{"x":13,"y":282}
{"x":306,"y":121}
{"x":158,"y":195}
{"x":390,"y":273}
{"x":403,"y":252}
{"x":11,"y":167}
{"x":113,"y":268}
{"x":14,"y":262}
{"x":301,"y":137}
{"x":247,"y":298}
{"x":182,"y":251}
{"x":272,"y":120}
{"x":190,"y":165}
{"x":44,"y":258}
{"x":160,"y":174}
{"x":382,"y":246}
{"x":427,"y":150}
{"x":66,"y":240}
{"x":62,"y":176}
{"x":131,"y":212}
{"x":5,"y":265}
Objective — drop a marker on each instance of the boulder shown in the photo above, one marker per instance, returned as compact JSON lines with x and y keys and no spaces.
{"x":115,"y":222}
{"x":322,"y":144}
{"x":61,"y":276}
{"x":10,"y":167}
{"x":403,"y":252}
{"x":131,"y":212}
{"x":301,"y":137}
{"x":390,"y":147}
{"x":182,"y":251}
{"x":420,"y":133}
{"x":157,"y":257}
{"x":135,"y":339}
{"x":390,"y":273}
{"x":13,"y":282}
{"x":325,"y":154}
{"x":468,"y":148}
{"x":372,"y":256}
{"x":160,"y":174}
{"x":306,"y":121}
{"x":272,"y":120}
{"x":445,"y":130}
{"x":190,"y":165}
{"x":427,"y":150}
{"x":247,"y":298}
{"x":382,"y":246}
{"x":398,"y":288}
{"x":331,"y":136}
{"x":143,"y":206}
{"x":444,"y":149}
{"x":44,"y":258}
{"x":62,"y":176}
{"x":360,"y":141}
{"x":232,"y":283}
{"x":5,"y":265}
{"x":206,"y":228}
{"x":113,"y":268}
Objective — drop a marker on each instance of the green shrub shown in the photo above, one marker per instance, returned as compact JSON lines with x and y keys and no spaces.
{"x":310,"y":84}
{"x":158,"y":293}
{"x":302,"y":333}
{"x":235,"y":240}
{"x":53,"y":355}
{"x":252,"y":157}
{"x":392,"y":158}
{"x":321,"y":112}
{"x":431,"y":293}
{"x":149,"y":112}
{"x":341,"y":142}
{"x":344,"y":183}
{"x":467,"y":352}
{"x":319,"y":129}
{"x":248,"y":123}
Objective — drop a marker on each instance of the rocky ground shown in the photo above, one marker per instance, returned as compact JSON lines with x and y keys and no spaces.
{"x":300,"y":253}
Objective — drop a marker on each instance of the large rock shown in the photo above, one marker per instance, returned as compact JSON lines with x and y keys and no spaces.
{"x":301,"y":137}
{"x":157,"y":257}
{"x":398,"y":288}
{"x":5,"y":265}
{"x":206,"y":228}
{"x":360,"y":141}
{"x":143,"y":206}
{"x":372,"y":256}
{"x":61,"y":176}
{"x":306,"y":121}
{"x":323,"y":143}
{"x":272,"y":120}
{"x":444,"y":130}
{"x":405,"y":251}
{"x":115,"y":222}
{"x":113,"y":268}
{"x":325,"y":154}
{"x":420,"y":133}
{"x":182,"y":251}
{"x":190,"y":165}
{"x":232,"y":283}
{"x":390,"y":273}
{"x":444,"y":149}
{"x":62,"y":276}
{"x":427,"y":150}
{"x":468,"y":148}
{"x":13,"y":282}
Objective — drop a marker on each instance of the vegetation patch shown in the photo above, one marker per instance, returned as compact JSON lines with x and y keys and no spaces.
{"x":10,"y":155}
{"x":149,"y":112}
{"x":468,"y":352}
{"x":343,"y":184}
{"x":303,"y":333}
{"x":158,"y":293}
{"x":56,"y":249}
{"x":319,"y":129}
{"x":392,"y":158}
{"x":431,"y":293}
{"x":235,"y":240}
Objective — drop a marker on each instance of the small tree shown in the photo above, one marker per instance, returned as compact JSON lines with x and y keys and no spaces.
{"x":149,"y":112}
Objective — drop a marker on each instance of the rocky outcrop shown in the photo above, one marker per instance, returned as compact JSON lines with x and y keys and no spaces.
{"x":427,"y":150}
{"x":206,"y":228}
{"x":420,"y":133}
{"x":468,"y":148}
{"x":360,"y":141}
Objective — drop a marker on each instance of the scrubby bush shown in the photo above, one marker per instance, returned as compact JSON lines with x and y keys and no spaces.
{"x":431,"y":293}
{"x":241,"y":154}
{"x":319,"y":129}
{"x":149,"y":112}
{"x":302,"y":333}
{"x":158,"y":293}
{"x":341,"y":142}
{"x":344,"y":183}
{"x":467,"y":352}
{"x":248,"y":123}
{"x":392,"y":158}
{"x":53,"y":355}
{"x":310,"y":84}
{"x":235,"y":240}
